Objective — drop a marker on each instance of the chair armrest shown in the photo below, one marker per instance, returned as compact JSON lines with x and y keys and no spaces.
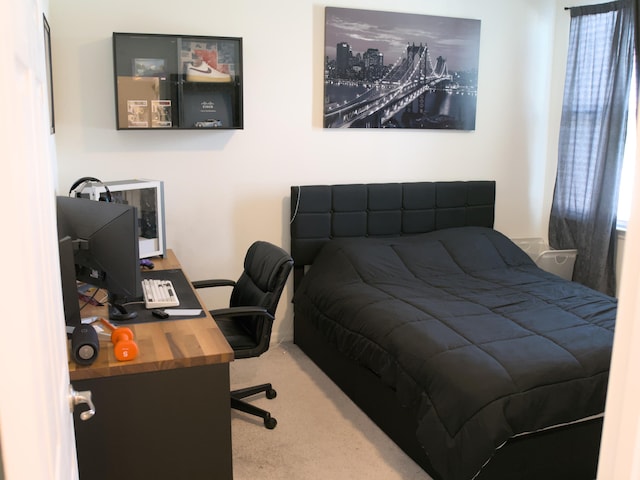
{"x":241,"y":311}
{"x":214,"y":282}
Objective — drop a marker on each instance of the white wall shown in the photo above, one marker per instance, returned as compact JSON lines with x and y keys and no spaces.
{"x":227,"y":189}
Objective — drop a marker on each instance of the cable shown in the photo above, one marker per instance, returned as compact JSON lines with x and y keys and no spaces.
{"x":295,"y":212}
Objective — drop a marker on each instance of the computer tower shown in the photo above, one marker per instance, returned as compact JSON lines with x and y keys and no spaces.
{"x":148,"y":197}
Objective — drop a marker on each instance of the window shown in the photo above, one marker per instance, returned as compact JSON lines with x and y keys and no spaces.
{"x":629,"y":162}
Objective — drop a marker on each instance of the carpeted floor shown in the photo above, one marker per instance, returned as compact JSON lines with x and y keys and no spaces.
{"x":320,"y":434}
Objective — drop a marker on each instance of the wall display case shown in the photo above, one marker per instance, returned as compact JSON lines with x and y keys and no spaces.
{"x":177,"y":81}
{"x":148,"y":198}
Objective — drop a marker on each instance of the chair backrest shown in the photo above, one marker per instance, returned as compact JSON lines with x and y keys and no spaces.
{"x":266,"y":269}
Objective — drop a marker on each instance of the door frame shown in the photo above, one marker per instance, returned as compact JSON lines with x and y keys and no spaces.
{"x":34,"y":399}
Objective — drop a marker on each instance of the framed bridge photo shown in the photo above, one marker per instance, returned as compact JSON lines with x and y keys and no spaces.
{"x":397,"y":70}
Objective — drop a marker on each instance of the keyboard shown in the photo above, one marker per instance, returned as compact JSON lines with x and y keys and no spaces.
{"x":159,"y":293}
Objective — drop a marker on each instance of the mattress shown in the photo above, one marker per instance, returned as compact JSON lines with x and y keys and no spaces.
{"x":468,"y":332}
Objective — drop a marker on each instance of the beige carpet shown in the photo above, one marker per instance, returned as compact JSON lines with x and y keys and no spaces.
{"x":320,"y":434}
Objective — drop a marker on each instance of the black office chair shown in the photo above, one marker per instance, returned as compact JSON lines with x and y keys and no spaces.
{"x":247,"y":322}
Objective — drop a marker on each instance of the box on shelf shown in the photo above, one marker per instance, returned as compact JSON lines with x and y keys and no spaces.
{"x":558,"y":262}
{"x":148,"y":197}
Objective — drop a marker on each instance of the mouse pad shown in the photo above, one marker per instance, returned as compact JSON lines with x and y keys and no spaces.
{"x":183,"y":289}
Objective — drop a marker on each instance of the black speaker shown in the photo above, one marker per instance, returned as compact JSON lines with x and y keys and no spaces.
{"x":84,"y":345}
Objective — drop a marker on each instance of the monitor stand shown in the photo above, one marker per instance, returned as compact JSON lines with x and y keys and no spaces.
{"x":118,"y":312}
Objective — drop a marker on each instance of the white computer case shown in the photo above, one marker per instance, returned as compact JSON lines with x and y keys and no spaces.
{"x":148,"y":197}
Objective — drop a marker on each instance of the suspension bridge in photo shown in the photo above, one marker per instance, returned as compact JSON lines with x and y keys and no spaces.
{"x":408,"y":78}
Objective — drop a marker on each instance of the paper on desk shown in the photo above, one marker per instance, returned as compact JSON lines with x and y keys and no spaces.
{"x":183,"y":312}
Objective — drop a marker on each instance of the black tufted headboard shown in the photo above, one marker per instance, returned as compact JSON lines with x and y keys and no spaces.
{"x":320,"y":213}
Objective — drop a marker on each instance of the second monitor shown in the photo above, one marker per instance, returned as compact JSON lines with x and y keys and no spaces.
{"x":106,"y":255}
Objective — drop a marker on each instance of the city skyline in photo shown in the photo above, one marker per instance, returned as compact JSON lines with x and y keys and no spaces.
{"x":455,"y":39}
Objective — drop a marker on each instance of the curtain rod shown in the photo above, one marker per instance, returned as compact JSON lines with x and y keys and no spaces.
{"x":569,"y":8}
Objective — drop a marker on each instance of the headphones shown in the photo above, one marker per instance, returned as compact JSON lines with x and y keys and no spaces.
{"x":81,"y":182}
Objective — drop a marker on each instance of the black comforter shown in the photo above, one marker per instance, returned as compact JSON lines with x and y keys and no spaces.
{"x":469,"y":332}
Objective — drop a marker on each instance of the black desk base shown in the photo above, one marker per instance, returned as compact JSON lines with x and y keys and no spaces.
{"x":168,"y":424}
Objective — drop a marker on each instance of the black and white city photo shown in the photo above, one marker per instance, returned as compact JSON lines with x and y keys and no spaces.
{"x":398,"y":70}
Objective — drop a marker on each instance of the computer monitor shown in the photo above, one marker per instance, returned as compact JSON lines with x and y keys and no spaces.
{"x":104,"y":237}
{"x":69,"y":287}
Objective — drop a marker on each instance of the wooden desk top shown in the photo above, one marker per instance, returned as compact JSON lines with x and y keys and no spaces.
{"x":163,"y":345}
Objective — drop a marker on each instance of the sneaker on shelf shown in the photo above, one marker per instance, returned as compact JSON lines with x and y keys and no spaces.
{"x":203,"y":72}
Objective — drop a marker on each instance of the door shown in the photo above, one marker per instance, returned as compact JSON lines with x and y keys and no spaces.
{"x":36,"y":426}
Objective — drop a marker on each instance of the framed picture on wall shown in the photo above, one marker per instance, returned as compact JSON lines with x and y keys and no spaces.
{"x":49,"y":72}
{"x":397,"y":70}
{"x":177,"y":81}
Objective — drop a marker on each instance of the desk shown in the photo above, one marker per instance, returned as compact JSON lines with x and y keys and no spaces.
{"x":164,"y":415}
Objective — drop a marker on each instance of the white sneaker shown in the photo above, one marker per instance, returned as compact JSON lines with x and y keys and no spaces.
{"x":205,"y":73}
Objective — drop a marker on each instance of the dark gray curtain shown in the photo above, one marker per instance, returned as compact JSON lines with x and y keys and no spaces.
{"x":636,"y":29}
{"x":592,"y":137}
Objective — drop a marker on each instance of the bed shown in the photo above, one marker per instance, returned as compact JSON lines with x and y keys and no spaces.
{"x":477,"y":363}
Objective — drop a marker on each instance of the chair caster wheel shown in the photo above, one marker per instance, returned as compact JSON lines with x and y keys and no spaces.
{"x":271,"y":394}
{"x":270,"y":423}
